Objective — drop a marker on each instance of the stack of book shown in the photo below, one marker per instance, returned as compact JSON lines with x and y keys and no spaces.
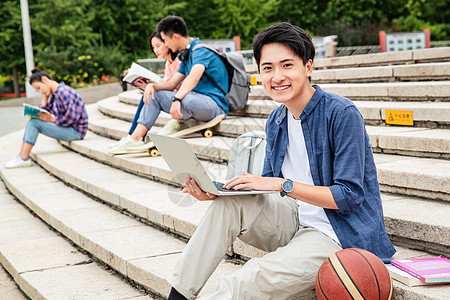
{"x":420,"y":271}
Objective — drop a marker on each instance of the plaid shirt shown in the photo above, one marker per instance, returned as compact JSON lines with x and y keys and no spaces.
{"x":68,"y":108}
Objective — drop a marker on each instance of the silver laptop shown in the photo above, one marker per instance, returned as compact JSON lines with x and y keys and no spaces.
{"x":182,"y":161}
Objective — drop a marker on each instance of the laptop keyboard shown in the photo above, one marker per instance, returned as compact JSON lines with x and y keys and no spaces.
{"x":219,"y":187}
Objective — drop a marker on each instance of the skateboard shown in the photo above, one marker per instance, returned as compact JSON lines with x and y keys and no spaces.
{"x":204,"y":128}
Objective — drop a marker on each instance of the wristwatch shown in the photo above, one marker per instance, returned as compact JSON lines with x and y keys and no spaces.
{"x":175,"y":99}
{"x":287,"y":187}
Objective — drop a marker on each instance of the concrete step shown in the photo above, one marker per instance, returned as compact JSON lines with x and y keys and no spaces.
{"x":434,"y":55}
{"x":8,"y":288}
{"x":391,"y":180}
{"x":420,"y":177}
{"x":43,"y":264}
{"x":414,"y":141}
{"x":254,"y":108}
{"x":386,"y":91}
{"x":389,"y":58}
{"x":410,"y":141}
{"x":100,"y":113}
{"x":430,"y":221}
{"x":427,"y":227}
{"x":125,"y":240}
{"x":423,"y":177}
{"x":393,"y":73}
{"x":141,"y":253}
{"x":425,"y":114}
{"x":415,"y":72}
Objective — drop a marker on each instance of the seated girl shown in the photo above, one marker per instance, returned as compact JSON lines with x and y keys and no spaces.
{"x":66,"y":120}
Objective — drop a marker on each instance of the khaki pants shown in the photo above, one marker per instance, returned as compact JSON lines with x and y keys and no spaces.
{"x":268,"y":222}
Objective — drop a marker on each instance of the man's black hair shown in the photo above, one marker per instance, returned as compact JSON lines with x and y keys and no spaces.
{"x":36,"y":75}
{"x":293,"y":37}
{"x":172,"y":24}
{"x":157,"y":35}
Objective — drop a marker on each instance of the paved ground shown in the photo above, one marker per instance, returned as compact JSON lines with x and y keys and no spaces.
{"x":12,"y":119}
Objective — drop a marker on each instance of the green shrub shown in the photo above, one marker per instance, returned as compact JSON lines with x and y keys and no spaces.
{"x":4,"y":79}
{"x":412,"y":23}
{"x":68,"y":65}
{"x":98,"y":64}
{"x":111,"y":58}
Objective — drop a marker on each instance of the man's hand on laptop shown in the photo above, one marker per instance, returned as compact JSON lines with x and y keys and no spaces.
{"x":259,"y":183}
{"x":193,"y":189}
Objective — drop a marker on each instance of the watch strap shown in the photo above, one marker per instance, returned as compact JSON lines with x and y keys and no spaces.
{"x":175,"y":99}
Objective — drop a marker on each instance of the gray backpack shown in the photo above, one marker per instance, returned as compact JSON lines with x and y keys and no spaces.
{"x":238,"y":78}
{"x":247,"y":153}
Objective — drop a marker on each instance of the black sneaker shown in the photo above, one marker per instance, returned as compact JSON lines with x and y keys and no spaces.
{"x":174,"y":295}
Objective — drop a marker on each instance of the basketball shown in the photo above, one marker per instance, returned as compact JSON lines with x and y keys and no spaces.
{"x":353,"y":274}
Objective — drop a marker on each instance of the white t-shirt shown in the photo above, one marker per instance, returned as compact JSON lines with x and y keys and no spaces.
{"x":296,"y":167}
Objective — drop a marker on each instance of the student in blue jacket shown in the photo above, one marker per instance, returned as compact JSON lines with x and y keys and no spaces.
{"x":320,"y":164}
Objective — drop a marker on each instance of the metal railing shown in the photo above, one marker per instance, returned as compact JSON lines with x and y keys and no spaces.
{"x":157,"y":65}
{"x":357,"y":50}
{"x":437,"y":44}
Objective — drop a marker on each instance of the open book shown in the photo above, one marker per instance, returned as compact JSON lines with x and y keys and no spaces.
{"x":138,"y":72}
{"x":32,"y":111}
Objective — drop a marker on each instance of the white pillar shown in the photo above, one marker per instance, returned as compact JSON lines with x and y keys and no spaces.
{"x":31,"y":92}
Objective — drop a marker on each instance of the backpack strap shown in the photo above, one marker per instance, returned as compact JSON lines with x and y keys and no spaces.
{"x":201,"y":45}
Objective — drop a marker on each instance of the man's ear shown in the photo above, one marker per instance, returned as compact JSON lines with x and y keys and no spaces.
{"x":176,"y":36}
{"x":309,"y":68}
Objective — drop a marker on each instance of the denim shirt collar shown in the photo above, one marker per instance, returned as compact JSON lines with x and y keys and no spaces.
{"x":308,"y":108}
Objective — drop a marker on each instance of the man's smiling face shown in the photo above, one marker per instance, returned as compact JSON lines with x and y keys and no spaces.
{"x":283,"y":74}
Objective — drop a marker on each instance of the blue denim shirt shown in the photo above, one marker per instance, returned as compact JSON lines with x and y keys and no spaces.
{"x":340,"y":157}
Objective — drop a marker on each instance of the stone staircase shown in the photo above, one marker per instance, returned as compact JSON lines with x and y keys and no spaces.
{"x":81,"y":223}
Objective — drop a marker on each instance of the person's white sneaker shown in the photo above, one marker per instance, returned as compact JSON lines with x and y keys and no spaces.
{"x":171,"y":127}
{"x":113,"y":145}
{"x":18,"y":162}
{"x":128,"y":142}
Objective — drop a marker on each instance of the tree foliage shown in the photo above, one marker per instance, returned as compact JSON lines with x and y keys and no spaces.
{"x":11,"y":38}
{"x":239,"y":17}
{"x":115,"y":32}
{"x":57,"y":24}
{"x":127,"y":24}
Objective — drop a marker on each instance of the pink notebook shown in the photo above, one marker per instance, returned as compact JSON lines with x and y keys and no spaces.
{"x":430,"y":269}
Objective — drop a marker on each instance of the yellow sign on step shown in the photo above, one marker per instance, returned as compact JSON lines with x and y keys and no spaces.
{"x":399,"y":117}
{"x":253,"y":80}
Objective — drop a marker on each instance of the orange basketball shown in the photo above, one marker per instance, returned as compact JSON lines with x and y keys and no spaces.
{"x":353,"y":274}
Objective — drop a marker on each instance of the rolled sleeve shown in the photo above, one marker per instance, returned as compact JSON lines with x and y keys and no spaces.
{"x":339,"y":198}
{"x":349,"y":160}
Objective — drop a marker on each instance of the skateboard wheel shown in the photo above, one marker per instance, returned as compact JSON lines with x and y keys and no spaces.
{"x":153,"y":152}
{"x":208,"y":133}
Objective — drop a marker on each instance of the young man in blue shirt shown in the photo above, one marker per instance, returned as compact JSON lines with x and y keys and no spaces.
{"x":320,"y":165}
{"x":196,"y":98}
